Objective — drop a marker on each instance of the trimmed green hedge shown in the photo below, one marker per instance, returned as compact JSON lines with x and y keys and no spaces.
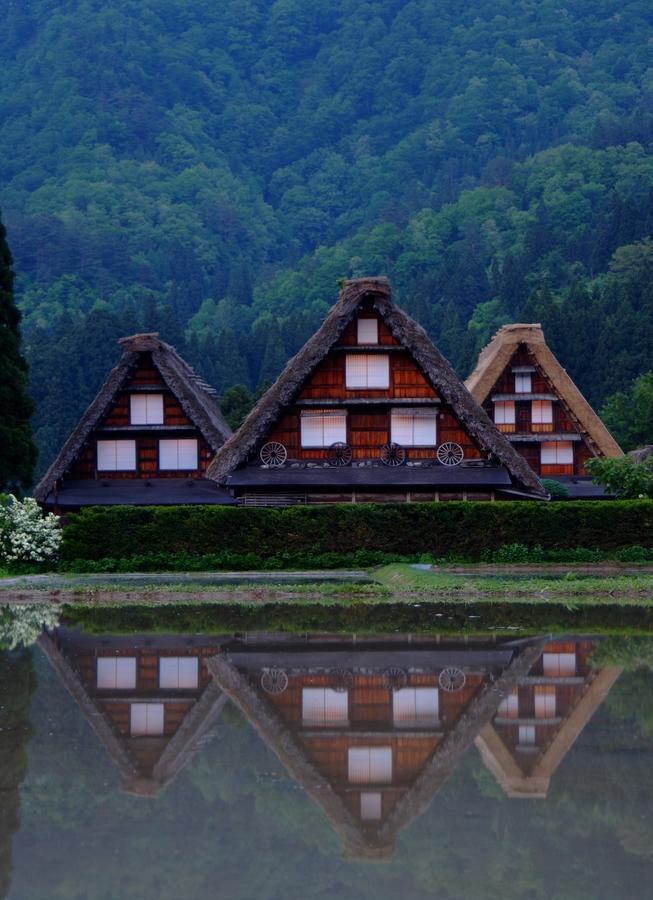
{"x":464,"y":530}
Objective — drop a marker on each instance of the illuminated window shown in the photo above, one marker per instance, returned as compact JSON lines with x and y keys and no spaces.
{"x":414,"y":427}
{"x":146,"y":719}
{"x":542,"y":412}
{"x":415,"y":706}
{"x":178,"y":454}
{"x":178,"y":672}
{"x":559,"y":664}
{"x":545,"y":702}
{"x":324,"y":706}
{"x":116,"y":456}
{"x":557,"y":453}
{"x":523,"y":382}
{"x":370,"y":765}
{"x":371,"y":805}
{"x":367,"y":370}
{"x":504,"y":412}
{"x":323,"y":427}
{"x":116,"y":672}
{"x":368,"y":331}
{"x":527,"y":735}
{"x":146,"y":409}
{"x":509,"y":706}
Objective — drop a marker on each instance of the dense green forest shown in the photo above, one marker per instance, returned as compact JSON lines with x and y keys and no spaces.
{"x":211,"y":170}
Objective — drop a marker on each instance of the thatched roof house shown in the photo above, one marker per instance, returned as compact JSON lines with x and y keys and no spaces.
{"x":404,"y":380}
{"x":147,"y":437}
{"x":532,"y":399}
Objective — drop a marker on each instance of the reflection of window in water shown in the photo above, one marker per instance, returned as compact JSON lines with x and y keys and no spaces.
{"x":324,"y":706}
{"x":509,"y":706}
{"x":415,"y":706}
{"x":370,"y":806}
{"x":116,"y":672}
{"x":545,"y":702}
{"x":559,"y":664}
{"x":527,"y":735}
{"x":146,"y":719}
{"x":178,"y":672}
{"x":370,"y":765}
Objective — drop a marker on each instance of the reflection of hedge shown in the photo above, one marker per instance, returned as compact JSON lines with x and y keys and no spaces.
{"x":465,"y":529}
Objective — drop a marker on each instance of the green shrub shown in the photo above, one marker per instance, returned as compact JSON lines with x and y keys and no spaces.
{"x":555,"y":489}
{"x":359,"y":535}
{"x":635,"y":554}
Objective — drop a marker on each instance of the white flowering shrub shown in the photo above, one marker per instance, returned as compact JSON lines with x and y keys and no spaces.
{"x":24,"y":624}
{"x":26,"y":534}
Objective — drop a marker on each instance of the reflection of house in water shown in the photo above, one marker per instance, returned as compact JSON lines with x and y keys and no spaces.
{"x":536,"y":725}
{"x":369,"y":727}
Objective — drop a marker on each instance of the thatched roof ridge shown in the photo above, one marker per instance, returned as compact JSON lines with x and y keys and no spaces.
{"x":196,"y":398}
{"x":413,"y":337}
{"x":497,"y":354}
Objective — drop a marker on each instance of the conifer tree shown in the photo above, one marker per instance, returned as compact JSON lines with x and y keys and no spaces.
{"x":17,"y":449}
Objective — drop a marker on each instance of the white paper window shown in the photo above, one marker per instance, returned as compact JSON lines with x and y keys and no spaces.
{"x":370,"y":765}
{"x":560,"y":453}
{"x":146,"y":719}
{"x":323,"y":427}
{"x":523,"y":382}
{"x":542,"y":412}
{"x":324,"y":707}
{"x":504,"y":412}
{"x":116,"y":673}
{"x":367,"y":370}
{"x":414,"y":427}
{"x":116,"y":456}
{"x":545,"y":702}
{"x":146,"y":409}
{"x":178,"y":672}
{"x":527,"y":735}
{"x":178,"y":454}
{"x":415,"y":706}
{"x":509,"y":706}
{"x":368,"y":331}
{"x":559,"y":664}
{"x":370,"y":806}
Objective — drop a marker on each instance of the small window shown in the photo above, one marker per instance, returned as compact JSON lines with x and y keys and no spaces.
{"x":414,"y":427}
{"x":116,"y":673}
{"x":367,"y":370}
{"x":368,"y":331}
{"x":415,"y":706}
{"x":371,"y":806}
{"x":523,"y":382}
{"x":146,"y":409}
{"x":557,"y":453}
{"x":116,"y":456}
{"x":542,"y":412}
{"x":559,"y":664}
{"x":370,"y":765}
{"x":178,"y":672}
{"x":322,"y":707}
{"x":504,"y":412}
{"x":527,"y":735}
{"x":146,"y":719}
{"x":545,"y":702}
{"x":509,"y":706}
{"x":323,"y":427}
{"x":178,"y":454}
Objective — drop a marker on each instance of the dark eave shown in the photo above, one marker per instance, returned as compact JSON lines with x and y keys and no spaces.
{"x":137,"y":492}
{"x":372,"y":477}
{"x":541,"y":436}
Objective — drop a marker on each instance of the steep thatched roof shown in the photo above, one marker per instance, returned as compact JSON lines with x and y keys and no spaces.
{"x":496,"y":356}
{"x":413,"y":337}
{"x":197,"y":399}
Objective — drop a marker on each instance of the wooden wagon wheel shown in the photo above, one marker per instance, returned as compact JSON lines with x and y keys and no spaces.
{"x":273,"y":454}
{"x":392,"y":455}
{"x":339,"y":454}
{"x":395,"y":678}
{"x":274,"y":681}
{"x":452,"y":679}
{"x":341,"y":680}
{"x":450,"y":454}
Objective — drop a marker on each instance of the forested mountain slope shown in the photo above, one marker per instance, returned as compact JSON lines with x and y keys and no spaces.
{"x":211,"y":169}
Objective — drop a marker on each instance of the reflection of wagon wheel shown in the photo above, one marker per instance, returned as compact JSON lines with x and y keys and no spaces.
{"x":452,"y":679}
{"x":273,"y":454}
{"x":341,"y":680}
{"x":395,"y":678}
{"x":450,"y":454}
{"x":339,"y":454}
{"x":393,"y":455}
{"x":274,"y":681}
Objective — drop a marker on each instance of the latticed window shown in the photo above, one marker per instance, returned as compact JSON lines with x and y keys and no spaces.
{"x":414,"y":427}
{"x":116,"y":456}
{"x":367,"y":370}
{"x":146,"y":409}
{"x":323,"y":427}
{"x":368,"y":331}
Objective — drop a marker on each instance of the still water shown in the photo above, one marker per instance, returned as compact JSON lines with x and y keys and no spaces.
{"x":283,"y":766}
